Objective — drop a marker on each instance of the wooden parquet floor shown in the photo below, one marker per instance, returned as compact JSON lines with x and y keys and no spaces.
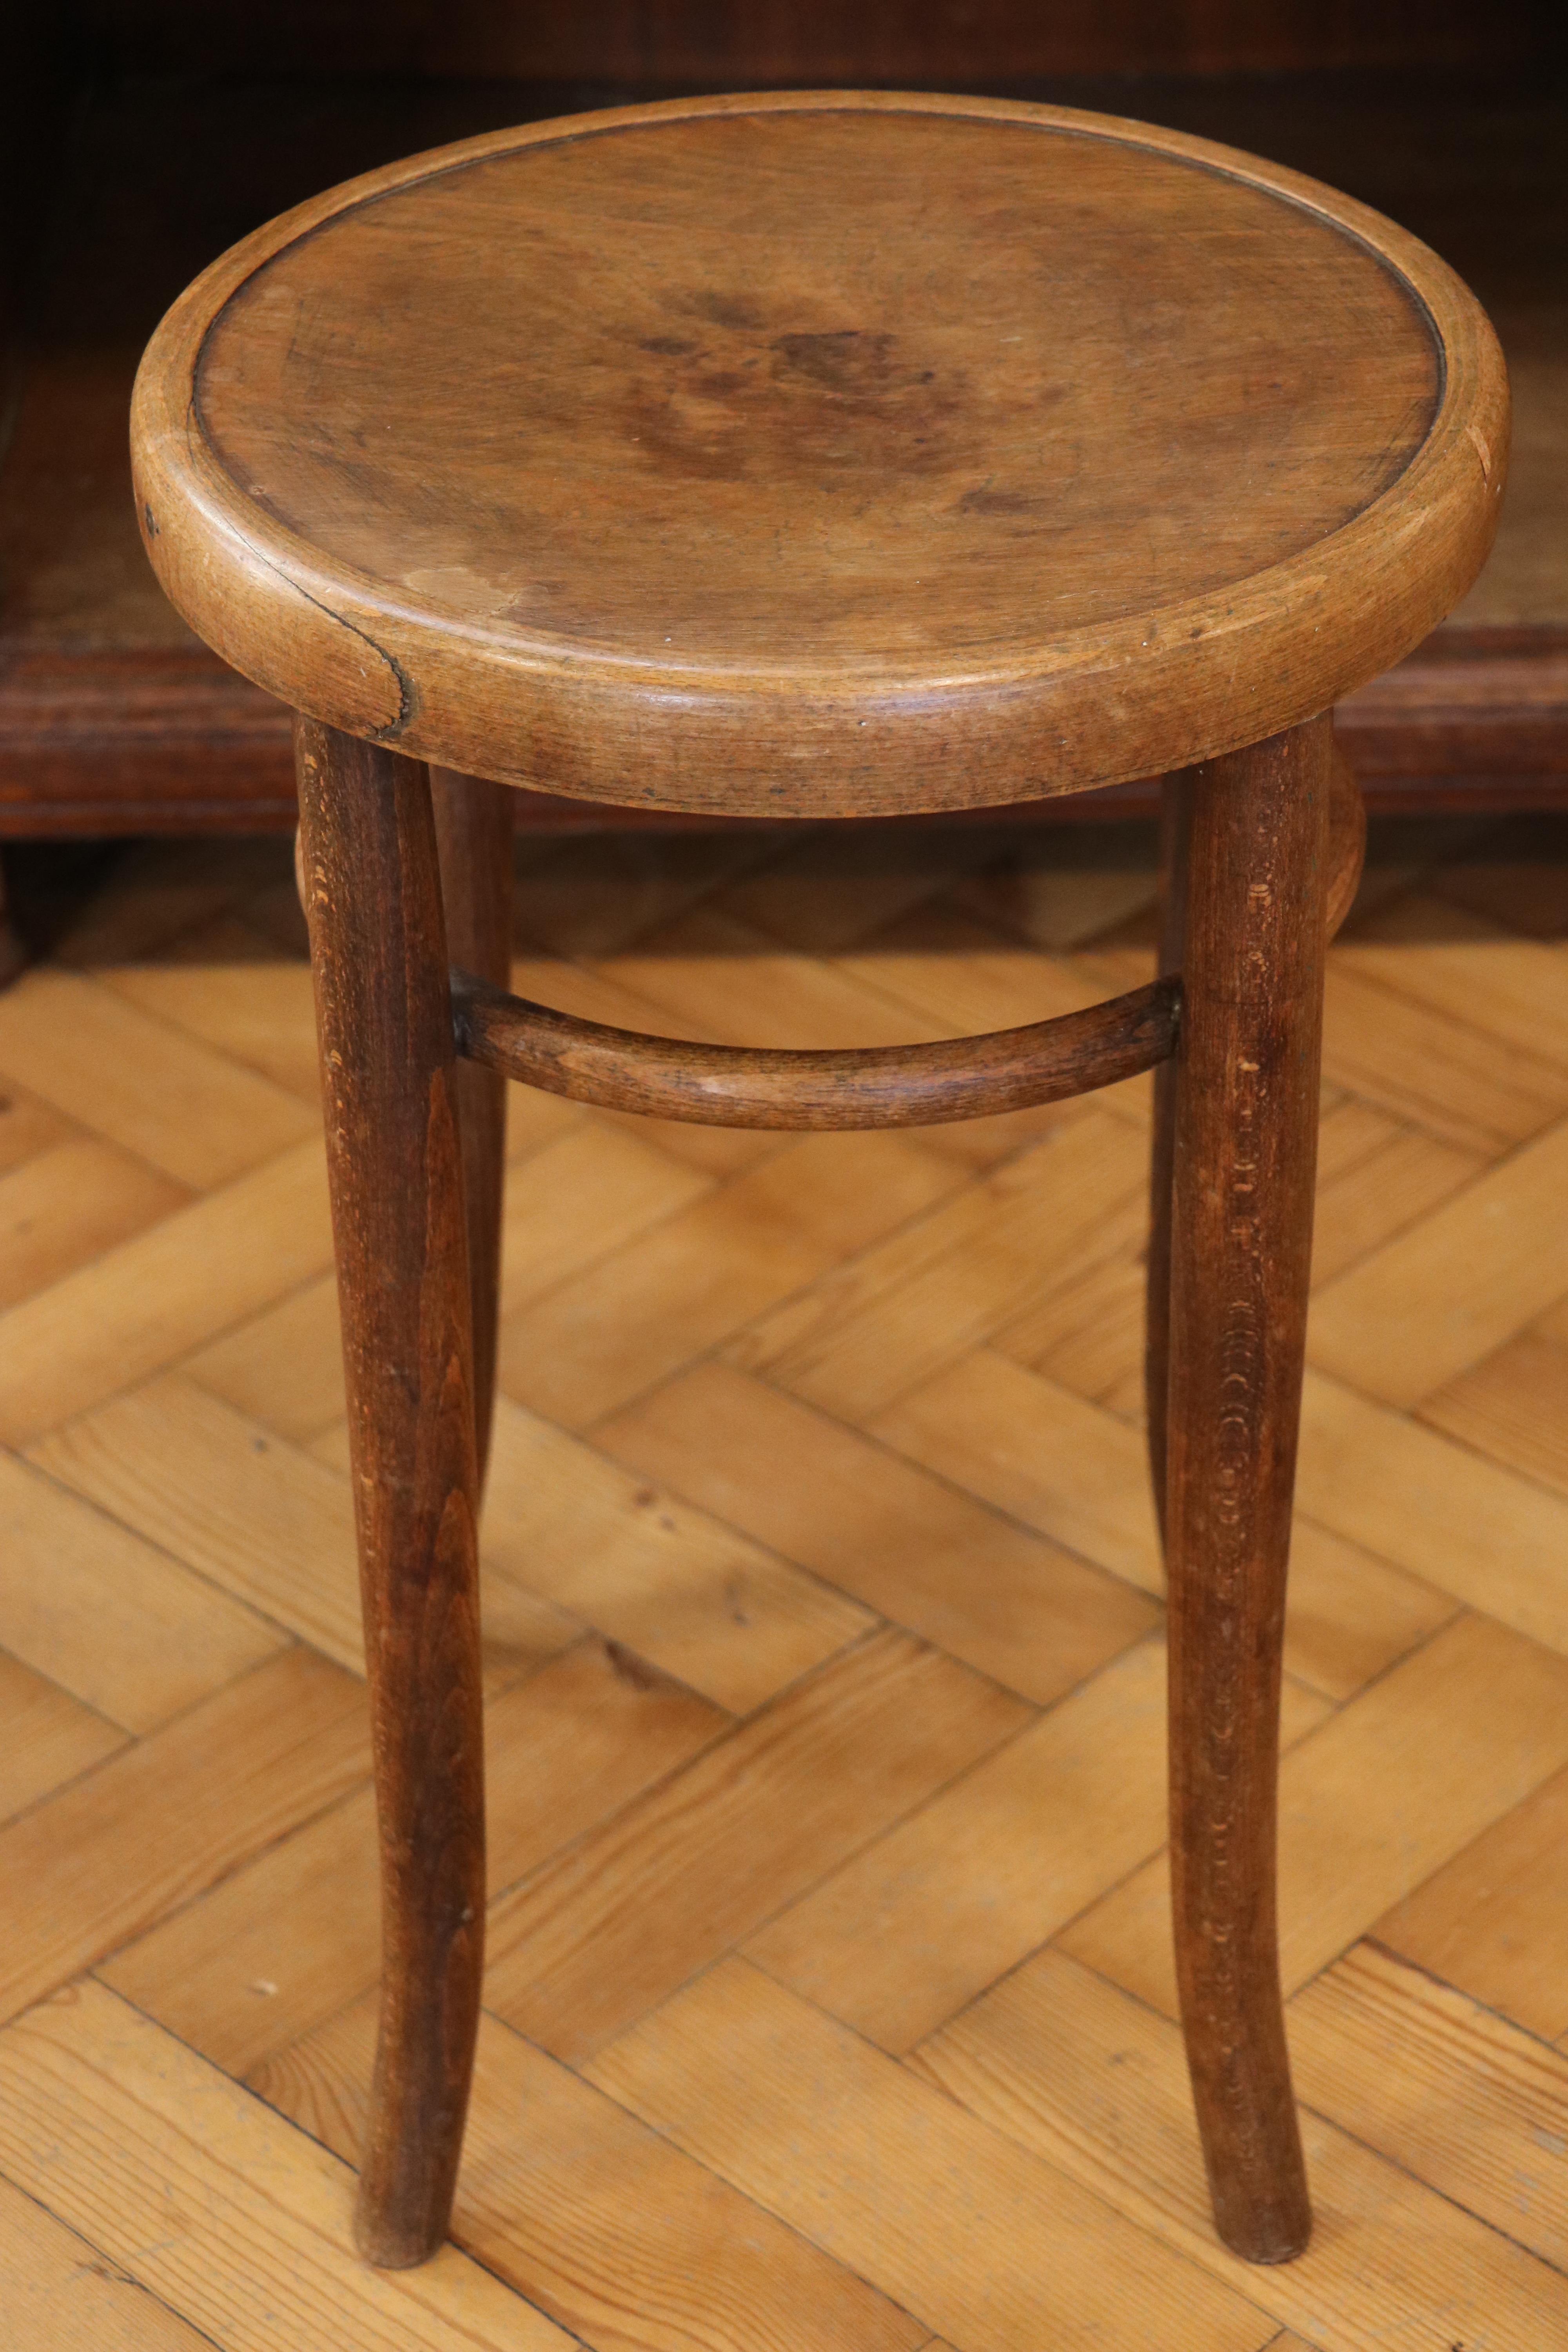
{"x":830,"y":2005}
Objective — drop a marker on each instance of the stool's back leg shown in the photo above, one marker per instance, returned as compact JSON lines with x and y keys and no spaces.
{"x":1244,"y":1164}
{"x":473,"y":831}
{"x":383,"y":1020}
{"x":1174,"y":828}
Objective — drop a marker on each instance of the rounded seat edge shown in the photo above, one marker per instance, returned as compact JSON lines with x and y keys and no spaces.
{"x":1104,"y":704}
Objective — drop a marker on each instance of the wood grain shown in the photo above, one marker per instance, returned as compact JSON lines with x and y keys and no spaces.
{"x":1038,"y":2259}
{"x":594,"y":1940}
{"x":603,"y":2223}
{"x":180,"y":1281}
{"x":1243,"y":1158}
{"x":1428,"y":1810}
{"x":1092,"y":2081}
{"x":903,"y":1542}
{"x":156,"y":1825}
{"x":196,"y":2189}
{"x":195,"y":1114}
{"x":1491,"y":1921}
{"x":678,"y":1588}
{"x":47,"y":2270}
{"x":1456,"y":2095}
{"x":295,"y":1935}
{"x":395,"y":1163}
{"x":911,"y":1928}
{"x":251,"y":1513}
{"x":773,"y":354}
{"x":897,"y":1312}
{"x":62,"y":1208}
{"x":1449,"y":1516}
{"x":599,"y":1338}
{"x":1371,"y":1803}
{"x":50,"y":1737}
{"x":869,"y":1086}
{"x":110,"y":1616}
{"x":1435,"y":1300}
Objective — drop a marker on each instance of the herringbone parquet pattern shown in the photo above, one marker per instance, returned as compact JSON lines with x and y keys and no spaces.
{"x":830,"y":2001}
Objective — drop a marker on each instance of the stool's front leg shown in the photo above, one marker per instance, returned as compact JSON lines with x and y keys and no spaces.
{"x":383,"y":1019}
{"x":1243,"y":1164}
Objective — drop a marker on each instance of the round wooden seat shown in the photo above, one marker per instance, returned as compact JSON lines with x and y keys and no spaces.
{"x":820,"y":454}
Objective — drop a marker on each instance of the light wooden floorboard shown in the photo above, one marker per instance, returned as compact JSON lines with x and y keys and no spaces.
{"x":829,"y":1991}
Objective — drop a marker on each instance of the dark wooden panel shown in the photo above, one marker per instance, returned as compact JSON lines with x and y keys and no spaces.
{"x":700,"y":43}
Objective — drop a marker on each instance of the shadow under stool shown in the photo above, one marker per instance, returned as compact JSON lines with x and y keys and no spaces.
{"x":810,"y":457}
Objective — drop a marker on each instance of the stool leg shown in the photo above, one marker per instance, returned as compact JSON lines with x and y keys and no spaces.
{"x":1175,"y":824}
{"x":383,"y":1019}
{"x":1242,"y":1168}
{"x":473,"y":832}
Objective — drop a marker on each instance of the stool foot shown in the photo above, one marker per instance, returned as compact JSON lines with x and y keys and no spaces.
{"x":394,"y":1157}
{"x":1243,"y":1150}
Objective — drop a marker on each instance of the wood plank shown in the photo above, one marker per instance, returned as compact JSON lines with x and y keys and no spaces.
{"x":1457,"y":2096}
{"x":50,"y":1737}
{"x":263,"y":1519}
{"x":215,"y":2203}
{"x":1034,"y":1450}
{"x":161,"y":1294}
{"x":1088,"y":1334}
{"x":1494,"y":1920}
{"x":593,"y":894}
{"x":597,"y":1339}
{"x":227,"y":985}
{"x":700,"y":1601}
{"x":1438,"y":1297}
{"x":596,"y":1938}
{"x":1089,"y":2078}
{"x":294,"y":1935}
{"x":712,"y":975}
{"x":1512,"y":1406}
{"x":580,"y":1197}
{"x":1371,"y":1803}
{"x":113,"y":1619}
{"x":283,"y":1367}
{"x":248,"y":1510}
{"x":597,"y":2220}
{"x":926,"y":1295}
{"x":1381,"y":1192}
{"x":60,"y":2292}
{"x":28,"y":1126}
{"x":910,"y":1546}
{"x":937,"y":1908}
{"x":1513,"y":989}
{"x":154,"y":1826}
{"x":63,"y":1207}
{"x":1450,"y":1517}
{"x":1348,"y":1614}
{"x":1433,"y":1073}
{"x":867,"y":2161}
{"x":192,"y":1113}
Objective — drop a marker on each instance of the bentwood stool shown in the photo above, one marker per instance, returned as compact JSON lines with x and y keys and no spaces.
{"x":821,"y":455}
